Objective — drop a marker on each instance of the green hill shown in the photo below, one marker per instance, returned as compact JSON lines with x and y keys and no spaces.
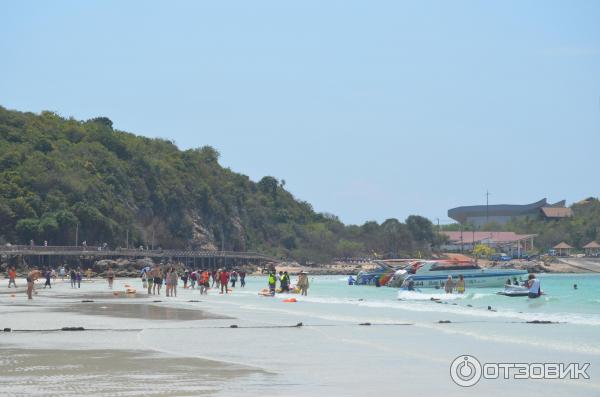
{"x":61,"y":175}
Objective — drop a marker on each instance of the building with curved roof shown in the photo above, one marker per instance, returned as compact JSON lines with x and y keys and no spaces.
{"x":479,"y":215}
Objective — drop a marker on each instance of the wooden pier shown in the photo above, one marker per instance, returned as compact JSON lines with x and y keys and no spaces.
{"x":46,"y":255}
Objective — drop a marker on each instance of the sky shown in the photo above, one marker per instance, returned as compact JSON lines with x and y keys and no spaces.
{"x":367,"y":109}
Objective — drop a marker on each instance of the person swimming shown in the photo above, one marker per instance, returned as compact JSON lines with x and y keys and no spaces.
{"x":574,"y":286}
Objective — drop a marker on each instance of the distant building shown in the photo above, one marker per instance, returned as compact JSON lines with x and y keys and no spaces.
{"x":479,"y":215}
{"x":507,"y":242}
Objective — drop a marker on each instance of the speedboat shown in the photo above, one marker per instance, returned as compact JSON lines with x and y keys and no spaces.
{"x":514,"y":290}
{"x":433,"y":274}
{"x":380,"y":275}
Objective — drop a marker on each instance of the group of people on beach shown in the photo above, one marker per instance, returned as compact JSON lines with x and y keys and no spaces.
{"x":284,"y":282}
{"x":153,"y":279}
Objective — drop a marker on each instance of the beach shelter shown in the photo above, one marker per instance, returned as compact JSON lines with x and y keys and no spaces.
{"x":592,"y":249}
{"x":563,"y":249}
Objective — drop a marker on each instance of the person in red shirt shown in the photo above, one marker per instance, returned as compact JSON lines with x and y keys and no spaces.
{"x":224,"y":280}
{"x":12,"y":274}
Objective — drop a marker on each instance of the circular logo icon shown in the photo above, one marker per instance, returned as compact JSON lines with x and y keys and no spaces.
{"x":465,"y":371}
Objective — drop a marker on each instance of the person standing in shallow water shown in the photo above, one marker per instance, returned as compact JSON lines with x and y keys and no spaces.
{"x":174,"y":281}
{"x":303,"y":283}
{"x":449,"y":285}
{"x":460,"y":284}
{"x":272,"y":281}
{"x":242,"y":278}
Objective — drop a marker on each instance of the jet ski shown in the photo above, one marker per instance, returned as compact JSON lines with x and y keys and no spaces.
{"x":514,"y":290}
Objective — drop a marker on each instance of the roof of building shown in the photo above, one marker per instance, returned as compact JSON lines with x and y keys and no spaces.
{"x":490,"y":236}
{"x":557,"y":212}
{"x":592,"y":244}
{"x":461,"y":214}
{"x":562,"y":245}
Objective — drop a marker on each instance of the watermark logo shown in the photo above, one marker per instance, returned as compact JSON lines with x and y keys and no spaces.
{"x":466,"y":371}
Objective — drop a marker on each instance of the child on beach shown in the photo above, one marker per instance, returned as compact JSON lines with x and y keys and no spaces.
{"x":12,"y":275}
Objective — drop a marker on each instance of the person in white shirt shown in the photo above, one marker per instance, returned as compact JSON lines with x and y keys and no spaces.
{"x":533,"y":283}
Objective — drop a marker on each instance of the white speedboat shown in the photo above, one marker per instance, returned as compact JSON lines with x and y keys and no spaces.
{"x":433,"y":274}
{"x":514,"y":290}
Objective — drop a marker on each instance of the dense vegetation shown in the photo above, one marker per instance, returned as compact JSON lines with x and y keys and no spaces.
{"x":577,"y":231}
{"x":60,"y":175}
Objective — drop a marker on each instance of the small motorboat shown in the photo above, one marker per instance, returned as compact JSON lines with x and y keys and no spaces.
{"x":514,"y":290}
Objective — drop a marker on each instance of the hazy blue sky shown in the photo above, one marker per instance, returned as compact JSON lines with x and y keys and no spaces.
{"x":368,"y":110}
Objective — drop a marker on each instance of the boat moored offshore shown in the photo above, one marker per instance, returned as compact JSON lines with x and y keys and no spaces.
{"x":433,"y":274}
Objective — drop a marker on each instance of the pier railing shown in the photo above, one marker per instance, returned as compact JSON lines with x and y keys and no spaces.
{"x":98,"y":251}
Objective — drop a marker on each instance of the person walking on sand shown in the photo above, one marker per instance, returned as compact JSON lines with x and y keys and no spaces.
{"x":184,"y":277}
{"x":206,"y":276}
{"x":79,"y":276}
{"x":224,"y":281}
{"x":303,"y":283}
{"x":449,"y":285}
{"x":150,"y":281}
{"x":12,"y":275}
{"x":144,"y":277}
{"x":214,"y":278}
{"x":234,"y":278}
{"x":460,"y":284}
{"x":242,"y":278}
{"x":31,"y":277}
{"x":110,"y":275}
{"x":48,"y":276}
{"x":168,"y":282}
{"x":158,"y":278}
{"x":72,"y":277}
{"x":203,"y":282}
{"x":174,"y":281}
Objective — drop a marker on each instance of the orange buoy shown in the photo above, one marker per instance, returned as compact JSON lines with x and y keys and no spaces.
{"x":290,"y":300}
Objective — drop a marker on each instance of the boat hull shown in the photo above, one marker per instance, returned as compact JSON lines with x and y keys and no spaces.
{"x":479,"y":279}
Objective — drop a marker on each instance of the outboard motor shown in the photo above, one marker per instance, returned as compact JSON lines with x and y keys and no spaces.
{"x":398,"y":278}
